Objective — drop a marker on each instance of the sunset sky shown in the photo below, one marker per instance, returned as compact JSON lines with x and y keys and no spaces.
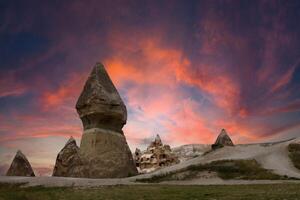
{"x":185,"y":70}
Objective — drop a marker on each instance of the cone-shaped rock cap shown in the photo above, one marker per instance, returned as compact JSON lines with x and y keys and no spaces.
{"x":71,"y":141}
{"x":157,"y":139}
{"x":222,"y":140}
{"x":20,"y":166}
{"x":100,"y":105}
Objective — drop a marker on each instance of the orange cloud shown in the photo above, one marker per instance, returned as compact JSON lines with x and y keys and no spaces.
{"x":186,"y":125}
{"x":41,"y":131}
{"x":149,"y":63}
{"x":66,"y":93}
{"x":156,"y":72}
{"x":221,"y":87}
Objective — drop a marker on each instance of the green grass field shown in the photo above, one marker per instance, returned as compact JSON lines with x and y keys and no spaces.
{"x":154,"y":192}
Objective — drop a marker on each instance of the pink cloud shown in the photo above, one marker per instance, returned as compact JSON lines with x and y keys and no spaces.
{"x":10,"y":86}
{"x":224,"y":91}
{"x":285,"y":78}
{"x":186,"y":125}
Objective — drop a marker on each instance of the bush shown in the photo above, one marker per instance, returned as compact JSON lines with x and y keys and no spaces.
{"x":294,"y":154}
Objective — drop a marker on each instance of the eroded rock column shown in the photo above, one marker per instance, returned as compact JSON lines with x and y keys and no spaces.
{"x":103,"y":114}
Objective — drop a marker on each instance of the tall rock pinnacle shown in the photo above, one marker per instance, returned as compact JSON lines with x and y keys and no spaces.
{"x":103,"y":147}
{"x":20,"y":166}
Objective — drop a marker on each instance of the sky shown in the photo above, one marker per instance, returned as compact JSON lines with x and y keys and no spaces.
{"x":185,"y":70}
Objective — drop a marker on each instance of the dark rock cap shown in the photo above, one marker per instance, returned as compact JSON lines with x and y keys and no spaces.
{"x":20,"y":166}
{"x":100,"y":105}
{"x":157,"y":140}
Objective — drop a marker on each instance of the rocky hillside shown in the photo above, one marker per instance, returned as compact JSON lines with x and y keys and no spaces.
{"x":275,"y":158}
{"x":189,"y":151}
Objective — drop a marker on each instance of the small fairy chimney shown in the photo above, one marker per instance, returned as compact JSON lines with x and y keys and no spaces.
{"x":222,"y":140}
{"x":20,"y":166}
{"x":68,"y":161}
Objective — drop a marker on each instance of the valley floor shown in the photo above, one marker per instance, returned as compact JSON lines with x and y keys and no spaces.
{"x":89,"y":183}
{"x":287,"y":191}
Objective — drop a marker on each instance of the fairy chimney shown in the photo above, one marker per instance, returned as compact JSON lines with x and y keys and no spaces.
{"x":20,"y":166}
{"x":103,"y":115}
{"x":222,"y":140}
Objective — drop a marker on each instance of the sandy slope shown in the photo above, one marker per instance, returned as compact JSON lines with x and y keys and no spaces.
{"x":189,"y":151}
{"x":271,"y":155}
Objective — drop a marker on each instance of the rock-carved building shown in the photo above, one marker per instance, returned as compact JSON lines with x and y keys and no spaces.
{"x":155,"y":156}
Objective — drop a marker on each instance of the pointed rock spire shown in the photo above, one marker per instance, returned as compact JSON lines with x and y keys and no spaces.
{"x":157,"y":139}
{"x":20,"y":166}
{"x":68,"y":160}
{"x":157,"y":142}
{"x":222,"y":140}
{"x":100,"y":105}
{"x":137,"y":151}
{"x":71,"y":141}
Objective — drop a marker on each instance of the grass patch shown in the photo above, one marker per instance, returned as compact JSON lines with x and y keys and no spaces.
{"x":294,"y":154}
{"x":225,"y":169}
{"x":155,"y":192}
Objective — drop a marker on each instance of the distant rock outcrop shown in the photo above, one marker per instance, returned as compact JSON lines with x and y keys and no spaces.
{"x":20,"y":166}
{"x":156,"y":156}
{"x":222,"y":140}
{"x":68,"y":161}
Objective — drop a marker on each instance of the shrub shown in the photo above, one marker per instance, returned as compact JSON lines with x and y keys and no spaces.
{"x":294,"y":154}
{"x":226,"y":169}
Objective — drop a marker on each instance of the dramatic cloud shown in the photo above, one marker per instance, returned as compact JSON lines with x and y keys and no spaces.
{"x":185,"y":70}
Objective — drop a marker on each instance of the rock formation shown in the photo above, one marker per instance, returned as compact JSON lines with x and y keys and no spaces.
{"x":68,"y":161}
{"x":100,"y":105}
{"x":137,"y":156}
{"x":156,"y":143}
{"x":103,"y":114}
{"x":156,"y":156}
{"x":20,"y":166}
{"x":222,"y":140}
